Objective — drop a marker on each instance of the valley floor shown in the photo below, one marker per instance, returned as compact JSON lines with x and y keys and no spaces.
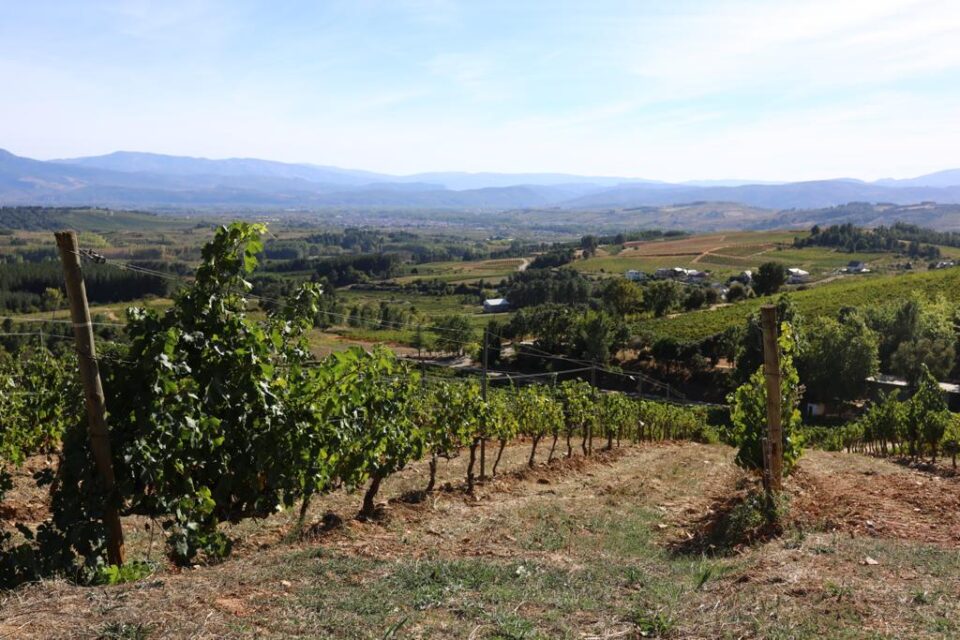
{"x":613,"y":547}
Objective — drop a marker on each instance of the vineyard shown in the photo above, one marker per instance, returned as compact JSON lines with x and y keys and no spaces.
{"x":825,"y":300}
{"x":263,"y":491}
{"x":218,"y":415}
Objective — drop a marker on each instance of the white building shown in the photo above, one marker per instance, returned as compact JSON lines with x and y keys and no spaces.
{"x":635,"y":276}
{"x":495,"y":305}
{"x":797,"y":276}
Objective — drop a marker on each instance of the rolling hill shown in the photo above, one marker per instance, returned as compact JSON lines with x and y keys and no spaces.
{"x":156,"y":181}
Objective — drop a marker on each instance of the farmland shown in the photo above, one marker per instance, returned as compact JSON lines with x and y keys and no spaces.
{"x":822,"y":300}
{"x":563,"y":551}
{"x":660,"y":537}
{"x":727,"y":254}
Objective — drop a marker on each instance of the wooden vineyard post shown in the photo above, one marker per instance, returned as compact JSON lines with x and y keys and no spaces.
{"x":773,"y":463}
{"x":92,"y":388}
{"x":483,"y":440}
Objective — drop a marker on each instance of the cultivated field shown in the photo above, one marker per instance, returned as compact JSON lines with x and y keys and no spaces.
{"x":726,"y":254}
{"x":820,"y":300}
{"x":615,"y":547}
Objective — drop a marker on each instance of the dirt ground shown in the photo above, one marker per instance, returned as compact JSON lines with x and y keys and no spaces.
{"x":574,"y":549}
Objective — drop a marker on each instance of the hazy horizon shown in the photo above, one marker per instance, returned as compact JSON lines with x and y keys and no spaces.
{"x":717,"y":180}
{"x":693,"y":91}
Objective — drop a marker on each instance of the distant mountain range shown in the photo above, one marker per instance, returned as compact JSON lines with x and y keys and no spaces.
{"x":155,"y":181}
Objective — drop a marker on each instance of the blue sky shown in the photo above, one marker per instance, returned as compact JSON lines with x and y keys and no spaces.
{"x":672,"y":89}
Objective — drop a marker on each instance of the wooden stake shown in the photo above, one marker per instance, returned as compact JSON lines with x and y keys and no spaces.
{"x":483,"y":441}
{"x":92,"y":389}
{"x":771,"y":371}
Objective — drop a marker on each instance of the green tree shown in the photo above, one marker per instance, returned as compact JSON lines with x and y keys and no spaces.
{"x":838,"y":359}
{"x":622,"y":297}
{"x":454,"y":332}
{"x":934,"y":354}
{"x":769,"y":278}
{"x":589,"y":244}
{"x":663,"y":296}
{"x":737,"y":292}
{"x":598,"y":336}
{"x":750,"y":351}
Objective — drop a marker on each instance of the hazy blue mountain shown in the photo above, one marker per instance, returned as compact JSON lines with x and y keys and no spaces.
{"x":725,"y":183}
{"x":806,"y":195}
{"x":462,"y":180}
{"x":948,"y":178}
{"x":155,"y":163}
{"x":148,"y":180}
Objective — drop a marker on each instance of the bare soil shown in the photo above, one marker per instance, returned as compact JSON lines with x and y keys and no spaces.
{"x":572,"y":549}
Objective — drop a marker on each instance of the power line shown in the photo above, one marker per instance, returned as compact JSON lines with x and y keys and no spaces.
{"x":54,"y":321}
{"x":401,"y":325}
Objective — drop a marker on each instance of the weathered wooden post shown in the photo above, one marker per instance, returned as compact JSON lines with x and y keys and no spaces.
{"x":771,"y":371}
{"x":483,"y":439}
{"x":92,"y":389}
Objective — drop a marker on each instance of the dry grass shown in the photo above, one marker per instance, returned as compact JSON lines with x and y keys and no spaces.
{"x":574,"y":549}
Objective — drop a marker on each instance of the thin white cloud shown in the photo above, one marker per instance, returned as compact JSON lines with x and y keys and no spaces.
{"x":769,"y":90}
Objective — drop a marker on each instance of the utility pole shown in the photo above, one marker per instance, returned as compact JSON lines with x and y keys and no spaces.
{"x":92,"y":389}
{"x":483,"y":440}
{"x":771,"y":372}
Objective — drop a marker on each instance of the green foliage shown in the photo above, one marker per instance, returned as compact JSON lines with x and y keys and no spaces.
{"x":618,"y":414}
{"x":576,"y":332}
{"x":838,"y":358}
{"x":749,"y":411}
{"x":578,"y":404}
{"x":39,"y":396}
{"x":663,"y":296}
{"x":502,"y":419}
{"x":454,"y":333}
{"x":750,"y":350}
{"x":950,"y":442}
{"x":663,"y":421}
{"x":769,"y":278}
{"x":597,"y":336}
{"x":536,"y":410}
{"x":538,"y":413}
{"x":825,"y":300}
{"x":129,"y":572}
{"x":884,"y":421}
{"x":374,"y":409}
{"x":535,"y":287}
{"x":204,"y":428}
{"x":894,"y":239}
{"x":452,"y":417}
{"x":933,"y":354}
{"x":622,"y":297}
{"x":927,"y":415}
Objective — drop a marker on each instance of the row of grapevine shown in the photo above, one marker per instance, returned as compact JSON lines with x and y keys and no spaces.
{"x":217,"y":415}
{"x":38,"y":393}
{"x":918,"y":426}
